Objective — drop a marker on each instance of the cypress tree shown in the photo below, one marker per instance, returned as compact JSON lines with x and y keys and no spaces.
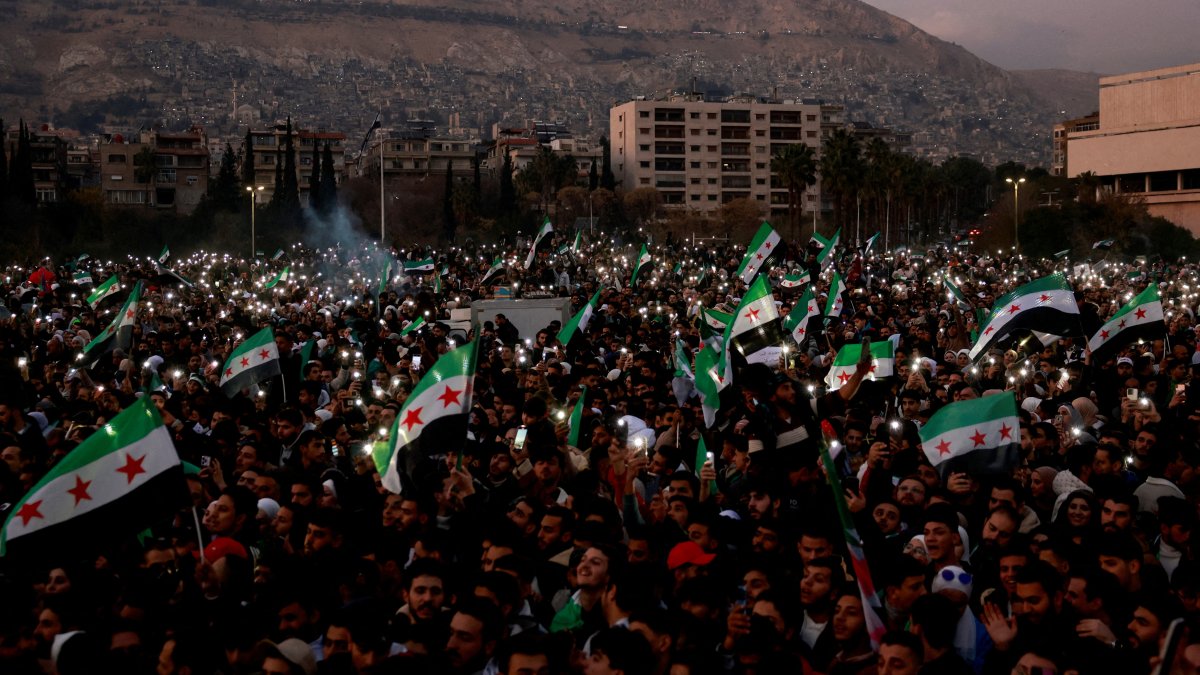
{"x":478,"y":182}
{"x":328,"y":180}
{"x":314,"y":182}
{"x":224,"y":191}
{"x":277,"y":193}
{"x":508,"y":194}
{"x":22,"y":170}
{"x":3,"y":163}
{"x":448,"y":203}
{"x":290,"y":202}
{"x":248,"y":177}
{"x":607,"y":180}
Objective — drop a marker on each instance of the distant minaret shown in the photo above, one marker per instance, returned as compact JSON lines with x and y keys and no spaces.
{"x":233,"y":111}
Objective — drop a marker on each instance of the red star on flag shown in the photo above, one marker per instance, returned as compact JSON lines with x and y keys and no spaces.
{"x":1014,"y":309}
{"x":752,"y":315}
{"x":1045,"y":298}
{"x":1103,"y":335}
{"x":1141,"y":313}
{"x":129,"y":314}
{"x":229,"y":372}
{"x":800,"y":331}
{"x":450,"y":396}
{"x":759,"y":256}
{"x":988,"y":330}
{"x":978,"y":439}
{"x":1122,"y":324}
{"x":29,"y":511}
{"x":264,"y":354}
{"x":943,"y":448}
{"x":872,"y":367}
{"x":1006,"y":432}
{"x":245,"y":361}
{"x":844,"y":377}
{"x":413,"y":418}
{"x":767,"y":244}
{"x":811,"y":309}
{"x":80,"y":491}
{"x":132,"y":467}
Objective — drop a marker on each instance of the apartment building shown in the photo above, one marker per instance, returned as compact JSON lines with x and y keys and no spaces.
{"x":268,"y":147}
{"x":700,"y":154}
{"x":48,"y":155}
{"x":178,"y":180}
{"x":416,"y":152}
{"x":1147,"y":141}
{"x":1058,"y":160}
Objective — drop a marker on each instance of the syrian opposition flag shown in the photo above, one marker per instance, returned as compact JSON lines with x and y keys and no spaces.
{"x":433,"y":419}
{"x":795,"y":280}
{"x":955,"y":295}
{"x":278,"y":254}
{"x":764,"y":243}
{"x":579,"y":322}
{"x":836,"y":300}
{"x":755,"y":331}
{"x":497,"y":265}
{"x":825,"y":257}
{"x":981,"y":435}
{"x":425,"y":265}
{"x":1141,"y":317}
{"x":110,"y":287}
{"x":870,"y":243}
{"x":713,"y":325}
{"x":253,"y":361}
{"x":542,"y":234}
{"x":797,"y":320}
{"x":413,"y":326}
{"x":282,"y":276}
{"x":578,"y":241}
{"x":83,"y":278}
{"x":162,"y":257}
{"x":710,"y":381}
{"x":642,"y":259}
{"x":121,"y":479}
{"x":883,"y":363}
{"x":163,"y":271}
{"x":575,"y":421}
{"x":118,"y":334}
{"x":1045,"y":304}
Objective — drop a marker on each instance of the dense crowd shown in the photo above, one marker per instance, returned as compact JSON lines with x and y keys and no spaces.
{"x":519,"y":553}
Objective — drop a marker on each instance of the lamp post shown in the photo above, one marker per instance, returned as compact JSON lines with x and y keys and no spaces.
{"x":251,"y":192}
{"x":1016,"y":210}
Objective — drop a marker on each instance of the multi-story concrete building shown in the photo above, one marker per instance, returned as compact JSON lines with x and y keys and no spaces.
{"x":700,"y":154}
{"x":1058,"y":161}
{"x":48,"y":159}
{"x":1147,"y":142}
{"x":179,"y":179}
{"x":415,"y":152}
{"x":268,"y":147}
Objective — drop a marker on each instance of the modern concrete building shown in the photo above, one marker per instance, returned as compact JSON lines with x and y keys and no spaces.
{"x":1062,"y":130}
{"x":1147,"y":142}
{"x":268,"y":147}
{"x":700,"y":154}
{"x":180,"y":176}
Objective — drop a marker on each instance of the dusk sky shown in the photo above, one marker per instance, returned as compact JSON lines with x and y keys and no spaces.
{"x":1103,"y":36}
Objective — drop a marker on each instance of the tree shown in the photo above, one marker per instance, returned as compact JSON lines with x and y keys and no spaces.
{"x":607,"y":180}
{"x":572,"y":203}
{"x":224,"y":190}
{"x":145,"y":171}
{"x":248,"y":174}
{"x":277,"y":192}
{"x":546,"y":174}
{"x":448,"y":221}
{"x":21,"y":183}
{"x":508,"y":192}
{"x":329,"y":190}
{"x":289,"y":202}
{"x":3,"y":164}
{"x":314,"y":179}
{"x":739,"y":217}
{"x":593,"y":177}
{"x":841,"y":172}
{"x":795,"y":167}
{"x":643,"y":204}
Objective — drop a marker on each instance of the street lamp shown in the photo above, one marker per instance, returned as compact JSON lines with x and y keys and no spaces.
{"x":251,"y":191}
{"x":1016,"y":211}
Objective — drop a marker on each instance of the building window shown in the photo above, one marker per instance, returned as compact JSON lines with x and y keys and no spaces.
{"x":712,"y":165}
{"x":712,"y":148}
{"x":116,"y":159}
{"x":644,"y":181}
{"x":695,"y":165}
{"x":694,"y":148}
{"x":694,"y":132}
{"x":644,"y":130}
{"x":760,"y":132}
{"x":712,"y":132}
{"x":644,"y":148}
{"x":760,"y":165}
{"x":712,"y":115}
{"x":46,"y":195}
{"x":645,"y":164}
{"x":643,"y":113}
{"x":712,"y":198}
{"x":712,"y":181}
{"x":695,"y":198}
{"x":760,"y":181}
{"x":694,"y":116}
{"x":695,"y":181}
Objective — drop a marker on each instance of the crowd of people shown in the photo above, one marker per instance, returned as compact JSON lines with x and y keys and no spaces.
{"x":519,"y":552}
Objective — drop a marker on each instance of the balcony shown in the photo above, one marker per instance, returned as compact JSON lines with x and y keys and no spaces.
{"x":735,"y":149}
{"x":668,"y":132}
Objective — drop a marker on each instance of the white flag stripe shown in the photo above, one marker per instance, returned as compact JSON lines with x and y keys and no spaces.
{"x":1060,"y":299}
{"x":1152,"y":312}
{"x":961,"y":443}
{"x":107,"y":482}
{"x":425,"y":407}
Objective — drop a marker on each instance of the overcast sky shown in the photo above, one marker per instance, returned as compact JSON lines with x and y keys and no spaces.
{"x":1103,"y":36}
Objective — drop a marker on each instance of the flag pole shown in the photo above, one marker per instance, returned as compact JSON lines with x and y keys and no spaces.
{"x":199,"y":534}
{"x":382,"y":203}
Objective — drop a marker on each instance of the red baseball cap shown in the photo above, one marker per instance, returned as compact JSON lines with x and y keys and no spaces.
{"x":688,"y":553}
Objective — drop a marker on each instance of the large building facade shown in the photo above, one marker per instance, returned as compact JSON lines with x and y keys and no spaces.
{"x":701,"y":154}
{"x":178,"y":179}
{"x":1147,"y":142}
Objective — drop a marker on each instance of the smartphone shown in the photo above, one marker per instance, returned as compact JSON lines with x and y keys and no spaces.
{"x":1131,"y":394}
{"x":1180,"y":388}
{"x":333,"y":447}
{"x":416,"y":362}
{"x":205,"y":460}
{"x":1177,"y":636}
{"x":519,"y":441}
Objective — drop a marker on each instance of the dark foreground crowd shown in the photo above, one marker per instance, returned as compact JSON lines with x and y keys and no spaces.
{"x":617,"y":554}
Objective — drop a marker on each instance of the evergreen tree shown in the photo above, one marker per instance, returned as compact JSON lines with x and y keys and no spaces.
{"x":277,"y":192}
{"x":314,"y":181}
{"x":508,"y":193}
{"x":22,"y":171}
{"x":328,"y":181}
{"x":224,"y":190}
{"x":248,"y":177}
{"x":478,"y":183}
{"x":289,"y":203}
{"x":448,"y":223}
{"x":593,"y":178}
{"x":607,"y":180}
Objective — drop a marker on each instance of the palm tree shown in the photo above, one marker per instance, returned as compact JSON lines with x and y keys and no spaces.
{"x":841,"y":171}
{"x":146,"y":171}
{"x":877,"y":181}
{"x":796,"y":168}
